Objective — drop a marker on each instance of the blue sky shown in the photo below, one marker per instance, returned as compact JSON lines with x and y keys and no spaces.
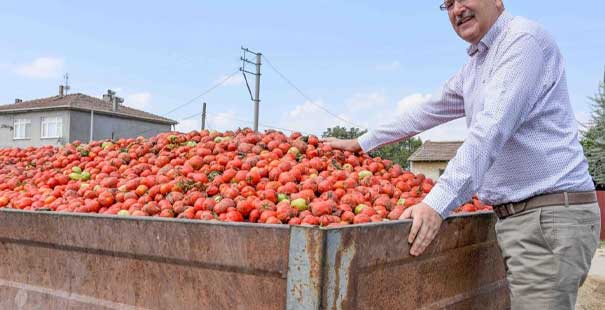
{"x":361,"y":60}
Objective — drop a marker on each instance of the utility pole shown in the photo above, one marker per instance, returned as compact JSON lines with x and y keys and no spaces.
{"x":204,"y":116}
{"x":257,"y":74}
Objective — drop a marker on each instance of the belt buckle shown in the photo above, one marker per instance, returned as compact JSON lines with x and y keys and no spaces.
{"x":510,"y":209}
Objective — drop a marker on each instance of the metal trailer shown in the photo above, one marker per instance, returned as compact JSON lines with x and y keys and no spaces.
{"x":76,"y":261}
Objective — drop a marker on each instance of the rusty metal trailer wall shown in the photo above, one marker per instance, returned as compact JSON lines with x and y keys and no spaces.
{"x":69,"y":261}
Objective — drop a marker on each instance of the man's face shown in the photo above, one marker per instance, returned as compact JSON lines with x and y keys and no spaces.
{"x":472,"y":19}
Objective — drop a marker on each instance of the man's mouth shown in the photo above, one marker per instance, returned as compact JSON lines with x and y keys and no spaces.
{"x":463,"y":19}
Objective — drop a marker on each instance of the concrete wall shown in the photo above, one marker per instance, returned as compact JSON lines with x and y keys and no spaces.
{"x":6,"y":134}
{"x":105,"y":126}
{"x":429,"y":169}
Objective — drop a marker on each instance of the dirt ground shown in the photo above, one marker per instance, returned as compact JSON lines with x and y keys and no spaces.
{"x":592,"y":293}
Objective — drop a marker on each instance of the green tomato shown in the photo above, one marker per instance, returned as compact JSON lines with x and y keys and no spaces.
{"x":106,"y":144}
{"x":360,"y":208}
{"x":123,"y":213}
{"x":364,"y":173}
{"x":281,"y":196}
{"x":191,"y":143}
{"x":294,"y":150}
{"x":84,"y":185}
{"x":85,"y":176}
{"x":218,"y":198}
{"x":74,"y":176}
{"x":401,"y":202}
{"x":300,"y":204}
{"x":76,"y":169}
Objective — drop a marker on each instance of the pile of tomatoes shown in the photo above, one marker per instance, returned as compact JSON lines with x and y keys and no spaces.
{"x":236,"y":176}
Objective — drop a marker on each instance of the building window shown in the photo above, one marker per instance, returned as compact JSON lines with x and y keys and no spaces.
{"x":22,"y":129}
{"x":51,"y":127}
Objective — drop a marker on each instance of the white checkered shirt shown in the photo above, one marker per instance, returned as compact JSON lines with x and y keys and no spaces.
{"x":523,"y":138}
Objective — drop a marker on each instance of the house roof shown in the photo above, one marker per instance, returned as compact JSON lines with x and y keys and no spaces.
{"x":83,"y":102}
{"x":436,"y":151}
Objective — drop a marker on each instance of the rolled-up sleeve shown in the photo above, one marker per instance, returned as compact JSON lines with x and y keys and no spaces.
{"x":509,"y":96}
{"x":419,"y":117}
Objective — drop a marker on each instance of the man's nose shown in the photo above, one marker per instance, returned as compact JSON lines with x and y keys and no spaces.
{"x":458,"y":8}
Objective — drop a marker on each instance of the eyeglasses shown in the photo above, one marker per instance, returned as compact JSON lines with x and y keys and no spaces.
{"x":449,"y":4}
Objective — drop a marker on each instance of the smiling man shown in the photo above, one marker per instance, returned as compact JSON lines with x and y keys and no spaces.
{"x":522,"y":154}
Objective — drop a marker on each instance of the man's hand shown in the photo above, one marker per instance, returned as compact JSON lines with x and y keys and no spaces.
{"x":350,"y":145}
{"x":424,"y":227}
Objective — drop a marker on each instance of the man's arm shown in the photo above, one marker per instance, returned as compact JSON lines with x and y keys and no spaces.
{"x":419,"y":117}
{"x":509,"y":96}
{"x":415,"y":119}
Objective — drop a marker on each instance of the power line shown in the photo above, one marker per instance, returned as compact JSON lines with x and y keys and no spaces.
{"x":215,"y":86}
{"x":307,"y":97}
{"x":204,"y":93}
{"x":183,"y":119}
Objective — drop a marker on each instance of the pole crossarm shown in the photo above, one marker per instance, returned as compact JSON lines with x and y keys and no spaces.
{"x":257,"y":74}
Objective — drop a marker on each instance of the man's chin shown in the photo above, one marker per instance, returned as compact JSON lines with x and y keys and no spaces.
{"x":468,"y":36}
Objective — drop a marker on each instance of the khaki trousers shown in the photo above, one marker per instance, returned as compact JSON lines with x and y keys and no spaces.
{"x":547,"y":253}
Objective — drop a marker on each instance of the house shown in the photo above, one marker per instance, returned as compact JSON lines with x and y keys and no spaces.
{"x":68,"y":117}
{"x":432,"y":158}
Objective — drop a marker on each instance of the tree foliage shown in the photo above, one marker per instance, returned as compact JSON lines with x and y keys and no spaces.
{"x":593,"y":140}
{"x":396,"y":152}
{"x":343,"y":133}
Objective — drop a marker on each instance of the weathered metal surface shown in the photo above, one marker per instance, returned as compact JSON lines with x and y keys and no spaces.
{"x":369,"y":267}
{"x":66,"y":261}
{"x":305,"y":267}
{"x":339,"y":270}
{"x":152,"y":264}
{"x":220,"y":245}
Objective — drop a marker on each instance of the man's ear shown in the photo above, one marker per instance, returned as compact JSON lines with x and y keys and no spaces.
{"x":500,"y":5}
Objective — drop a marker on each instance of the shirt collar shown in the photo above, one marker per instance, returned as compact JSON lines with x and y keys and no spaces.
{"x":491,"y":35}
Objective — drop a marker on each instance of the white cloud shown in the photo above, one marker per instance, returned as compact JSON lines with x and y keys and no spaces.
{"x":188,"y":125}
{"x":413,"y":99}
{"x":232,"y":81}
{"x":392,"y":66}
{"x":41,"y":68}
{"x":583,"y":119}
{"x":452,"y":131}
{"x":366,"y":101}
{"x":139,"y":101}
{"x":225,"y":121}
{"x":310,"y":118}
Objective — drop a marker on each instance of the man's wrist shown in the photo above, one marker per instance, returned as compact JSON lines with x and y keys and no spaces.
{"x":364,"y":142}
{"x":440,"y":200}
{"x":356,"y":146}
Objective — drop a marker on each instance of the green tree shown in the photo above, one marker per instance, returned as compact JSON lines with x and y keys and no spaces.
{"x":396,"y":152}
{"x":593,"y":140}
{"x":343,"y":133}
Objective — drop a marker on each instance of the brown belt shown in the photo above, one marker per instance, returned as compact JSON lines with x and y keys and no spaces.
{"x":547,"y":200}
